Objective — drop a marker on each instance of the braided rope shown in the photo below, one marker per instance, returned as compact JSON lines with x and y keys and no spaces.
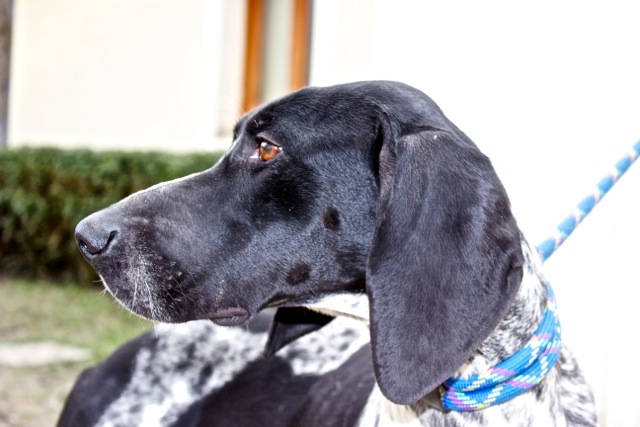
{"x":569,"y":224}
{"x":513,"y":376}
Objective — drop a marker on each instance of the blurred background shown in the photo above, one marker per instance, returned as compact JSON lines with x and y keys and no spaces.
{"x":101,"y":98}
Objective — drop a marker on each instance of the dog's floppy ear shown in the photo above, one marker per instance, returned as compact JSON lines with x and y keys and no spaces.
{"x":290,"y":323}
{"x":445,"y":262}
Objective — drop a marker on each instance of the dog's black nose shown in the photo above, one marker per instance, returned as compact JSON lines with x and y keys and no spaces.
{"x":93,"y":237}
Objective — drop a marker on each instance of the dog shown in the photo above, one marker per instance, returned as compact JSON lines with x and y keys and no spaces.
{"x":359,"y":200}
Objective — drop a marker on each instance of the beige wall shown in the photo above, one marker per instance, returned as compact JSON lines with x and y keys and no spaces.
{"x":143,"y":74}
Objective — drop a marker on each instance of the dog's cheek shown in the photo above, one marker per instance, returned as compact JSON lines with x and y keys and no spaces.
{"x":235,"y":238}
{"x":288,"y":193}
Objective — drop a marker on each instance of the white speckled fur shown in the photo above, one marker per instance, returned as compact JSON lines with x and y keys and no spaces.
{"x":159,"y":392}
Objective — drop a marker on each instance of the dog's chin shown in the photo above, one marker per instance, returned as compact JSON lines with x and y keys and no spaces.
{"x":142,"y":299}
{"x":234,"y":316}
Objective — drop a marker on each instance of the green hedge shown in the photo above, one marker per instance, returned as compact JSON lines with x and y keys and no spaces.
{"x":45,"y":192}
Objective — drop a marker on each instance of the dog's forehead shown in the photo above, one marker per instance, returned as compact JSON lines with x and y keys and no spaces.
{"x":346,"y":107}
{"x":315,"y":104}
{"x":310,"y":116}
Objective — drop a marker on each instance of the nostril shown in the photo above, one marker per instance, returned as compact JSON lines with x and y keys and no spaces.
{"x":93,"y":240}
{"x":95,"y":247}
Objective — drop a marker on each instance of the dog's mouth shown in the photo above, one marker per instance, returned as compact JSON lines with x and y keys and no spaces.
{"x":233,"y":316}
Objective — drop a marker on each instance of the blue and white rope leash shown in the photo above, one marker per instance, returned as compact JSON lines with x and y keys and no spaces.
{"x":529,"y":365}
{"x":569,"y":224}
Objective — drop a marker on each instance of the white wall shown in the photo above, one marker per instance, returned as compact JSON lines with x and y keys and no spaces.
{"x":144,"y":74}
{"x":551,"y":92}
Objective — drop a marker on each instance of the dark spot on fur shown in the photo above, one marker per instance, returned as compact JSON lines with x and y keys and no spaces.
{"x":298,"y":274}
{"x":205,"y":375}
{"x":186,"y":363}
{"x":332,"y":219}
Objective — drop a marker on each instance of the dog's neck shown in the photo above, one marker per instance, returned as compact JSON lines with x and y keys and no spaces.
{"x":512,"y":332}
{"x":521,"y":321}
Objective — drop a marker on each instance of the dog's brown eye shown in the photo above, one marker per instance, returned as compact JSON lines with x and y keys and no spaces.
{"x":268,"y":151}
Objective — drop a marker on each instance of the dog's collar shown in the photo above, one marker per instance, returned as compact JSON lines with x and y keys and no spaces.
{"x":514,"y":375}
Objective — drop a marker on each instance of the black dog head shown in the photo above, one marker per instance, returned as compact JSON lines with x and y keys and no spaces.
{"x":356,"y":187}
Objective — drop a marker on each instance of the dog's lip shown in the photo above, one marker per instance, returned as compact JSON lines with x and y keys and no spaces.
{"x":232,"y":316}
